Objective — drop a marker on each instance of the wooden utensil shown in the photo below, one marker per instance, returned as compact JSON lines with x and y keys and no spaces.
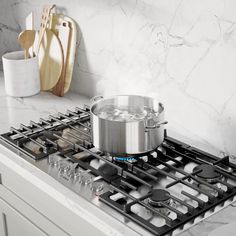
{"x":50,"y":57}
{"x":56,"y":20}
{"x":64,"y":37}
{"x":44,"y":22}
{"x":29,"y":21}
{"x":29,"y":25}
{"x":26,"y":40}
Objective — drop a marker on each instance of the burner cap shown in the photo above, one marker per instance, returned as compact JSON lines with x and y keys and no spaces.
{"x":158,"y":196}
{"x":207,"y":171}
{"x":107,"y":170}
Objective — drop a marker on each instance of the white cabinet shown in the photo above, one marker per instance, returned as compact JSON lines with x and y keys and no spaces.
{"x":14,"y":223}
{"x":18,"y":218}
{"x":2,"y":223}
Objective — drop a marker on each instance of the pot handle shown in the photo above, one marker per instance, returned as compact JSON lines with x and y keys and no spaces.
{"x":157,"y":125}
{"x":96,"y":98}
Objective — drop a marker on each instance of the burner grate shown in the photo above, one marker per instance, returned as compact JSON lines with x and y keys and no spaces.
{"x":170,"y":225}
{"x":192,"y":212}
{"x":19,"y":137}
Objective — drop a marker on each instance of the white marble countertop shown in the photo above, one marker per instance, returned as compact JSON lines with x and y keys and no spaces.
{"x":14,"y":111}
{"x":21,"y":110}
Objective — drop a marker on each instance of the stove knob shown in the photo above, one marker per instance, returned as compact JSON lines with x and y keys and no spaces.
{"x":97,"y":188}
{"x":53,"y":159}
{"x":63,"y":166}
{"x":86,"y":179}
{"x":75,"y":173}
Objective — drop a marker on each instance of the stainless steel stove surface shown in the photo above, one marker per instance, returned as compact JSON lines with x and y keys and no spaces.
{"x":160,"y":193}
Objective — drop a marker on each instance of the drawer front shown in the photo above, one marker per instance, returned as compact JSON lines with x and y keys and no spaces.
{"x":15,"y":224}
{"x":19,"y":218}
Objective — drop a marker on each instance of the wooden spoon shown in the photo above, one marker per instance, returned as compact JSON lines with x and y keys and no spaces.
{"x":26,"y":40}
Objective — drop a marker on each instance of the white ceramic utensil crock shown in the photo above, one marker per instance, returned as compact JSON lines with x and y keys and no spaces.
{"x":21,"y":75}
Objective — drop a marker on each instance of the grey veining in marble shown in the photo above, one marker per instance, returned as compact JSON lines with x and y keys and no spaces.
{"x":181,"y":52}
{"x":225,"y":216}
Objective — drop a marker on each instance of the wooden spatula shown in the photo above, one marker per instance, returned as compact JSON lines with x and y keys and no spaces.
{"x":26,"y":40}
{"x":44,"y":22}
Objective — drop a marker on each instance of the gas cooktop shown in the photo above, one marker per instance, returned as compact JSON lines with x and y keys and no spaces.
{"x":163,"y":192}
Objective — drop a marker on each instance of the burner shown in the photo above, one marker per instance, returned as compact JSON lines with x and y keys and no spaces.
{"x":107,"y":171}
{"x":131,"y":159}
{"x":208,"y":173}
{"x":158,"y":196}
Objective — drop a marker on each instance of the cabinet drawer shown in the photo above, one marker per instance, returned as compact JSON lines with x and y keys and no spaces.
{"x":14,"y":223}
{"x":18,"y":218}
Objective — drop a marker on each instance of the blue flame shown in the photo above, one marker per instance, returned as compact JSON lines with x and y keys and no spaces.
{"x":125,"y":158}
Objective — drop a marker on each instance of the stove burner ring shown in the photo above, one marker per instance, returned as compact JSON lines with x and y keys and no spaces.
{"x":207,"y":173}
{"x":130,"y":159}
{"x":159,"y":196}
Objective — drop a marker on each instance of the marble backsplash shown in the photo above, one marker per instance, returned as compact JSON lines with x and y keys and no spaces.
{"x":181,"y":52}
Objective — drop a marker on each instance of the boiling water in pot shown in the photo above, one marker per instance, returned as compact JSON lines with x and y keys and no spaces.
{"x":124,"y":114}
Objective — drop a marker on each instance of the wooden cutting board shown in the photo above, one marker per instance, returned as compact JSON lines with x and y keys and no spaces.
{"x":64,"y":37}
{"x":56,"y":20}
{"x":50,"y":58}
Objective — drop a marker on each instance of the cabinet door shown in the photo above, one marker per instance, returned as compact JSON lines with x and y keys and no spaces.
{"x":15,"y":224}
{"x":17,"y":217}
{"x":2,"y":222}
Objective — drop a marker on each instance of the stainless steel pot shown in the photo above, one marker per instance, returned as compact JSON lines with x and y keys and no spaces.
{"x":141,"y":134}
